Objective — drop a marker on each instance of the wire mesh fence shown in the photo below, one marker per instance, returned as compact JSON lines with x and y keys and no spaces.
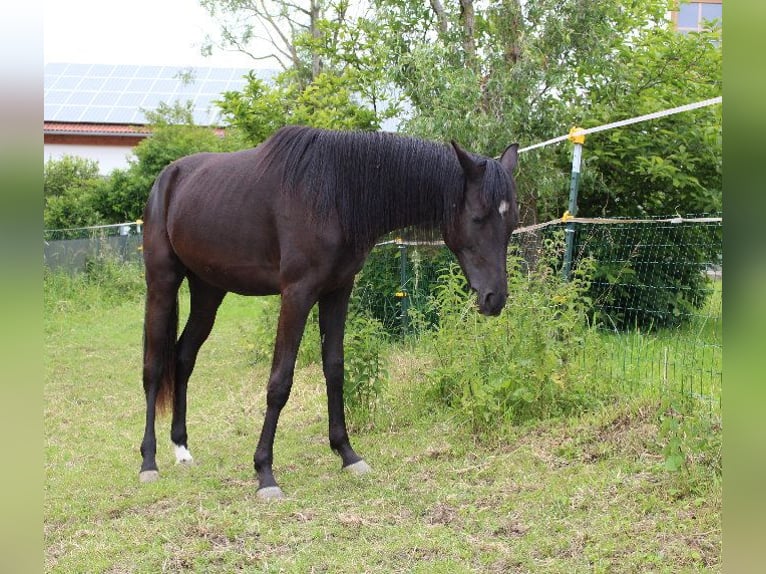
{"x":655,"y":289}
{"x":70,"y":250}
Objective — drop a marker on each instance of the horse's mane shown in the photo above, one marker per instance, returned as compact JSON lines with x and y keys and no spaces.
{"x":376,"y":181}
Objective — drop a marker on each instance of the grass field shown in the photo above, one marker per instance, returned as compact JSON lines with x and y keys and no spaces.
{"x":585,"y":494}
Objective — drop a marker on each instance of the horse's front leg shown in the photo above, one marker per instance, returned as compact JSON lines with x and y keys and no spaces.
{"x":296,"y":304}
{"x":333,"y":308}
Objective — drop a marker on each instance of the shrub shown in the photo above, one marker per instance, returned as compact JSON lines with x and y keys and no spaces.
{"x":649,"y":276}
{"x":520,"y":365}
{"x":365,"y":373}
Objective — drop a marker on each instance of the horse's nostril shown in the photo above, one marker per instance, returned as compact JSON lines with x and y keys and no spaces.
{"x":492,"y":303}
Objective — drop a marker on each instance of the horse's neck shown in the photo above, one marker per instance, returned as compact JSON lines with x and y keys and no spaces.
{"x":420,"y":207}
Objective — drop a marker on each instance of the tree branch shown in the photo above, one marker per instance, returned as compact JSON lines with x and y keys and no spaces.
{"x":441,"y":16}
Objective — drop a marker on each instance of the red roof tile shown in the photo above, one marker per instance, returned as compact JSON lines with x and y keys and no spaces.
{"x":95,"y":129}
{"x":88,"y":129}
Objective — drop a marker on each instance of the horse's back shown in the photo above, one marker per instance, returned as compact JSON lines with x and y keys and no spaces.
{"x":229,"y":221}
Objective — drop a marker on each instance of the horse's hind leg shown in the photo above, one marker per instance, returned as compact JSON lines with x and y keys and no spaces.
{"x":163,"y":278}
{"x":205,"y":301}
{"x":332,"y":321}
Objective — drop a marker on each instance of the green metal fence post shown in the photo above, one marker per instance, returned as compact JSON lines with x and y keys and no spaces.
{"x":402,"y":293}
{"x":578,"y":139}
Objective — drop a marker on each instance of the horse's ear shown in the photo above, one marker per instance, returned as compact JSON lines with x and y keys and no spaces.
{"x":510,"y":157}
{"x":472,"y":168}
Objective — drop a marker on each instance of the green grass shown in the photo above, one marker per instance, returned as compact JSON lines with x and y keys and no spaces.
{"x":585,"y":494}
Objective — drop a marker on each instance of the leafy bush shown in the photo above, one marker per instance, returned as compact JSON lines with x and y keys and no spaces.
{"x":649,"y":276}
{"x":520,"y":365}
{"x":71,"y":185}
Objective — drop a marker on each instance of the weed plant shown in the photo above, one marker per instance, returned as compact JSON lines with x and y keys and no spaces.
{"x":105,"y":280}
{"x":521,"y":365}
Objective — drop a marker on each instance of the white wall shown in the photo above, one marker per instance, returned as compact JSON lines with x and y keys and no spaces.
{"x":108,"y":157}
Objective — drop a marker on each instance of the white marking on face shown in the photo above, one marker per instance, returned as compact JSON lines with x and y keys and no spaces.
{"x":503,"y":208}
{"x":182,"y":454}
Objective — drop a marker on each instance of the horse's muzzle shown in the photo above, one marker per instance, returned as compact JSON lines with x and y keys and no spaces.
{"x":491,"y":303}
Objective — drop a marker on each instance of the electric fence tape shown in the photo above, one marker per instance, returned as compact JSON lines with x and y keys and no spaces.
{"x":627,"y":122}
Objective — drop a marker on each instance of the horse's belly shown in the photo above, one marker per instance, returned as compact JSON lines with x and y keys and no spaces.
{"x":248,"y":268}
{"x":241,"y":278}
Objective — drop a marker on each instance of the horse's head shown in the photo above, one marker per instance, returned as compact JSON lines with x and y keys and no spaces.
{"x":481,"y":228}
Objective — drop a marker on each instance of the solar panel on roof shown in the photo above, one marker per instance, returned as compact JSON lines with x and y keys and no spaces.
{"x":80,"y":98}
{"x":72,"y":113}
{"x":91,"y":83}
{"x":106,"y":93}
{"x":142,"y":85}
{"x":96,"y":70}
{"x":56,"y":97}
{"x":78,"y":69}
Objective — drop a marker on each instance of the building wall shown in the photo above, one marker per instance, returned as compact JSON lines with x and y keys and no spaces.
{"x":109,"y":157}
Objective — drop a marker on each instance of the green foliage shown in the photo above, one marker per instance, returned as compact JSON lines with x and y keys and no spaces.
{"x":365,"y":371}
{"x":379,"y":289}
{"x":328,"y":101}
{"x":663,"y":166}
{"x":105,"y":281}
{"x":257,"y":110}
{"x":521,"y":365}
{"x":71,"y":185}
{"x":529,"y":71}
{"x":649,"y":276}
{"x":60,"y":175}
{"x":690,"y":438}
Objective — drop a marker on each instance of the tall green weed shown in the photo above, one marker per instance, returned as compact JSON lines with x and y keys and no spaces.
{"x":526,"y":363}
{"x":104,"y":280}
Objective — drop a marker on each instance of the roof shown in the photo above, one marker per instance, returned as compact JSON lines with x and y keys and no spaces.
{"x":91,"y":129}
{"x":119,"y":94}
{"x":66,"y":128}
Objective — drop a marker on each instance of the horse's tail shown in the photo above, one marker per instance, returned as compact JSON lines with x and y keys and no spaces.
{"x":158,"y":253}
{"x":166,"y":392}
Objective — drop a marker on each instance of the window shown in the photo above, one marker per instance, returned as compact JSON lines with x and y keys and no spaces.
{"x":692,"y":16}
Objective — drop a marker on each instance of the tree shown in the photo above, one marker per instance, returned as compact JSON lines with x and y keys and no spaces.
{"x":287,"y":26}
{"x":327,"y":102}
{"x":69,"y":186}
{"x":663,"y":166}
{"x":493,"y":73}
{"x":332,"y":75}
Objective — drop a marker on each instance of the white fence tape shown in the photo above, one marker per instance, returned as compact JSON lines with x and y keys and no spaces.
{"x":621,"y":123}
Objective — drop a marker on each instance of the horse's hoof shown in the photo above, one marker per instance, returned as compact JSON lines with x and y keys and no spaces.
{"x":183,"y":456}
{"x":358,"y":468}
{"x":148,"y":475}
{"x":270,"y":493}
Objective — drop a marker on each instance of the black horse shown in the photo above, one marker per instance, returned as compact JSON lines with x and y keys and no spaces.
{"x":297,"y":216}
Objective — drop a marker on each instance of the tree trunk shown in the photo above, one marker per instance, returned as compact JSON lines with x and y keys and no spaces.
{"x":316,"y":61}
{"x":468,"y":21}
